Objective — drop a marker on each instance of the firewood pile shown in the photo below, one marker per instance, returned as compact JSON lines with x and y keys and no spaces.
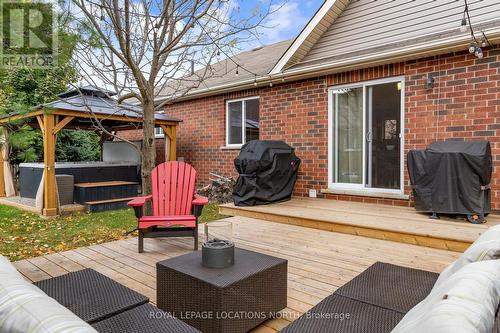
{"x":220,"y":190}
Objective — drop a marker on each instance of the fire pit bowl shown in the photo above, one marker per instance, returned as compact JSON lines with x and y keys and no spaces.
{"x":217,"y":253}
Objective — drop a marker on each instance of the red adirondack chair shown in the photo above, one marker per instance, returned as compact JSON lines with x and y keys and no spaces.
{"x":176,"y":207}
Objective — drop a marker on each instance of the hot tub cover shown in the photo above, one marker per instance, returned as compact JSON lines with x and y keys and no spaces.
{"x":267,"y":173}
{"x":452,"y":177}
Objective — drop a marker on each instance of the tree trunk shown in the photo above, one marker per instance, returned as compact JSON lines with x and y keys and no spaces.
{"x":148,"y":145}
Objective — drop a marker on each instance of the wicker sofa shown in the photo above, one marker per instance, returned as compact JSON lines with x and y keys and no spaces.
{"x":109,"y":306}
{"x":96,"y":303}
{"x":375,"y":302}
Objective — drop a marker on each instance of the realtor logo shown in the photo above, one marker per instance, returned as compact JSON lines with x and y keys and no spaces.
{"x":28,"y":34}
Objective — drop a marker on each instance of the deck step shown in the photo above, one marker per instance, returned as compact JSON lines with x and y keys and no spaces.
{"x":105,"y":184}
{"x":87,"y":192}
{"x":399,"y":224}
{"x":104,"y":205}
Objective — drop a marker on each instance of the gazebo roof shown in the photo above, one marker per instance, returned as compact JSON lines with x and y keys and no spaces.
{"x":87,"y":90}
{"x":89,"y":102}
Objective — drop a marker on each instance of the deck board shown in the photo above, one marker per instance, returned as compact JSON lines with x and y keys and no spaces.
{"x":319,"y":261}
{"x":394,"y":223}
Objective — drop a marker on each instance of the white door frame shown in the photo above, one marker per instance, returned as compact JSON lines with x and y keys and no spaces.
{"x":332,"y":137}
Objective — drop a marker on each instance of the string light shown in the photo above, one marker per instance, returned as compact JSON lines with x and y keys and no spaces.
{"x":474,"y":47}
{"x":219,"y":50}
{"x":483,"y":39}
{"x":228,"y":58}
{"x":463,"y":25}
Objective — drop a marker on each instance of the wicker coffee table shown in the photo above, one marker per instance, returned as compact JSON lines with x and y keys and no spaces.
{"x":233,"y":299}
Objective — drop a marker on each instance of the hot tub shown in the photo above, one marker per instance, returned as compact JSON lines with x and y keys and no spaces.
{"x":30,"y":174}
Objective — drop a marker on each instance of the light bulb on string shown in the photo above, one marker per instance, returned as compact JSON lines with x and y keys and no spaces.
{"x":472,"y":48}
{"x":463,"y":25}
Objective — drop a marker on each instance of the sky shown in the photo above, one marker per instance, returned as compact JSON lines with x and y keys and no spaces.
{"x":288,"y":19}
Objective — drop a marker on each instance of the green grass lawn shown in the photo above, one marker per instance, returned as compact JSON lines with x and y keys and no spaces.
{"x":24,"y":235}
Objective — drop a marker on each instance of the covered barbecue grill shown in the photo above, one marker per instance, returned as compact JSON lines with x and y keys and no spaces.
{"x":267,"y":173}
{"x":452,"y":177}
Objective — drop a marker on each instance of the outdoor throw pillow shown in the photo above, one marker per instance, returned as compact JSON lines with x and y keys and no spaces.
{"x":25,"y":308}
{"x":486,"y":247}
{"x":466,"y":302}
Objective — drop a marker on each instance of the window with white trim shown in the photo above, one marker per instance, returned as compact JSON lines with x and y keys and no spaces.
{"x":159,"y":132}
{"x":242,"y":121}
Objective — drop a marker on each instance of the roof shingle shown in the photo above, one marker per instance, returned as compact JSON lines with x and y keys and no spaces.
{"x":258,"y":61}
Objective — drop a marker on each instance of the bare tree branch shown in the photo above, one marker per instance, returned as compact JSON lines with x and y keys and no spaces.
{"x":144,"y":49}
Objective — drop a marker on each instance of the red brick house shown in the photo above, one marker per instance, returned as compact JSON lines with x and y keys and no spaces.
{"x":363,"y":83}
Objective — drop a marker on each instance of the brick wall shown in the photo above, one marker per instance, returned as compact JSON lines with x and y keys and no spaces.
{"x":464,"y":104}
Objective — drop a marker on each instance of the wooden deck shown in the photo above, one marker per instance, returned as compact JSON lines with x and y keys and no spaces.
{"x":394,"y":223}
{"x":318,"y":261}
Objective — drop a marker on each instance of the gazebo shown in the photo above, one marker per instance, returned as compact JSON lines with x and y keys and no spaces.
{"x":86,"y":108}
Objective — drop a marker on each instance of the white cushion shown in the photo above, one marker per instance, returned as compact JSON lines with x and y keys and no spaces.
{"x":466,"y":302}
{"x":25,"y":308}
{"x":486,"y":247}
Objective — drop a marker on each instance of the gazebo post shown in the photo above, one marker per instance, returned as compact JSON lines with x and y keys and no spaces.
{"x":2,"y":180}
{"x":49,"y":160}
{"x":173,"y":143}
{"x":171,"y":132}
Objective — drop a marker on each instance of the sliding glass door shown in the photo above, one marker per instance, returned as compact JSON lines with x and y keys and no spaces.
{"x":383,"y":126}
{"x":365,"y":136}
{"x":349,"y":135}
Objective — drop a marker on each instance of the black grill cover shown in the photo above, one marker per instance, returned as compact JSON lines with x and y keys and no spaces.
{"x":452,"y":177}
{"x":267,"y":173}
